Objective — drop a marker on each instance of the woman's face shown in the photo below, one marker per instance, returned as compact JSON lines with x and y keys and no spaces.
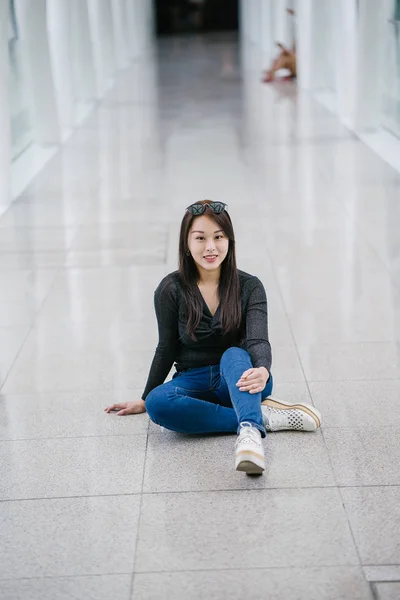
{"x":207,"y":243}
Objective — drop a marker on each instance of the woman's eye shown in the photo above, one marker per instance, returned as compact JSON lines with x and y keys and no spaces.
{"x":219,"y":237}
{"x":200,"y":238}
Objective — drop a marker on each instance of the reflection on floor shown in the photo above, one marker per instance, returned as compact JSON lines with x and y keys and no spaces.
{"x":89,"y":499}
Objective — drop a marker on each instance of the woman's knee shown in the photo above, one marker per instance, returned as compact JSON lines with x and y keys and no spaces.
{"x":157,"y":403}
{"x":233,"y":354}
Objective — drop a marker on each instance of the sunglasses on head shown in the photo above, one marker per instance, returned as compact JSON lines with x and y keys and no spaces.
{"x":199,"y":209}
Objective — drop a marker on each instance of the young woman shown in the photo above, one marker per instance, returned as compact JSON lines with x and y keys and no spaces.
{"x":213,"y":323}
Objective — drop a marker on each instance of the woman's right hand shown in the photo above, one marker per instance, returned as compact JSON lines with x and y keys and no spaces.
{"x":127,"y":408}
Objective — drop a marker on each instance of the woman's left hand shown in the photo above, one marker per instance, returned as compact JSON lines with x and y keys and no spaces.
{"x":253,"y":380}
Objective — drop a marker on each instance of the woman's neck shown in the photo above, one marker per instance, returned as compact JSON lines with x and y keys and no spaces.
{"x":210,"y":278}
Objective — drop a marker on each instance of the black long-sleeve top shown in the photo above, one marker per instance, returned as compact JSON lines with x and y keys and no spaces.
{"x":175,"y":345}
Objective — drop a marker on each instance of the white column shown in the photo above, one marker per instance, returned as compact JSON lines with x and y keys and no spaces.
{"x":130,"y":27}
{"x":119,"y":21}
{"x":267,"y":41}
{"x":139,"y":26}
{"x":5,"y":136}
{"x":59,"y":29}
{"x":108,"y":41}
{"x":373,"y":18}
{"x":144,"y":12}
{"x":82,"y":52}
{"x":346,"y":58}
{"x":32,"y":17}
{"x":255,"y":27}
{"x":310,"y":44}
{"x":101,"y":33}
{"x":280,"y":22}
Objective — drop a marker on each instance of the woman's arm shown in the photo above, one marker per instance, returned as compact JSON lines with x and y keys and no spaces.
{"x":256,"y":319}
{"x":166,"y":307}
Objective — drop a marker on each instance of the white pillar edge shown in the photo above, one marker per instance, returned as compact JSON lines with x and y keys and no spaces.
{"x":5,"y":130}
{"x":369,"y":66}
{"x":32,"y":17}
{"x":59,"y":24}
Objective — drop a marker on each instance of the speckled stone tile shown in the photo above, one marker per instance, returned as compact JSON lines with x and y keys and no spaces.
{"x":382,"y":572}
{"x":78,"y":372}
{"x":329,"y":583}
{"x":68,"y":536}
{"x":58,"y":415}
{"x":21,"y":295}
{"x":374,"y":515}
{"x":176,"y":462}
{"x":387,"y":591}
{"x":286,"y":367}
{"x":72,"y":467}
{"x":333,"y":362}
{"x":357,"y":455}
{"x":367,"y":404}
{"x":98,"y":587}
{"x":272,"y":528}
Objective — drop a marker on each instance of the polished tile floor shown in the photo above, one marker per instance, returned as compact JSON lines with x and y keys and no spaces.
{"x":98,"y":507}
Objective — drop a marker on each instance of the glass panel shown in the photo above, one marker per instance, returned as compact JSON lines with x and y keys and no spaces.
{"x":21,"y":131}
{"x":391,"y":92}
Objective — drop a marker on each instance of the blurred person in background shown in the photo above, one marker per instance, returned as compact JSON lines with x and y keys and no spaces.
{"x":178,"y":14}
{"x":198,"y":7}
{"x":286,"y":58}
{"x":213,"y":323}
{"x":187,"y":15}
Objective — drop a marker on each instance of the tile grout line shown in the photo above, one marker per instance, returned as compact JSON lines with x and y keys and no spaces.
{"x":374,"y":591}
{"x":125,"y":389}
{"x":85,"y":575}
{"x":104,"y":391}
{"x":194,"y":491}
{"x":79,"y":437}
{"x":75,"y":391}
{"x":30,"y":328}
{"x":204,"y":570}
{"x":352,"y":533}
{"x":131,"y":590}
{"x":377,"y":428}
{"x":385,"y":580}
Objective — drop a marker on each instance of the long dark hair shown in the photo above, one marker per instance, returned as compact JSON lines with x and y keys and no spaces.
{"x":228,"y":289}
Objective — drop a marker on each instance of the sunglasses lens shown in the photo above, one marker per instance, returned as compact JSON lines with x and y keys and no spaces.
{"x":218,"y":207}
{"x":199,"y":209}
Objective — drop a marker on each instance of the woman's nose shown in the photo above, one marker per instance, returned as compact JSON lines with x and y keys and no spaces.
{"x":210,"y":245}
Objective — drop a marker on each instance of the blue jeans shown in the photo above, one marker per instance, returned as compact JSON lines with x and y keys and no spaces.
{"x":206,"y":399}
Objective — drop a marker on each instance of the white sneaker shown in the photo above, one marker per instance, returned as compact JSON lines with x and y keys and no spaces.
{"x":249,"y":450}
{"x":279,"y":415}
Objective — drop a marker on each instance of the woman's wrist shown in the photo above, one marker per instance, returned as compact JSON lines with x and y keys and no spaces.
{"x":266,"y":373}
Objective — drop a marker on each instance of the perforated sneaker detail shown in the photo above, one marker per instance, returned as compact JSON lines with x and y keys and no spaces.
{"x":295,"y":419}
